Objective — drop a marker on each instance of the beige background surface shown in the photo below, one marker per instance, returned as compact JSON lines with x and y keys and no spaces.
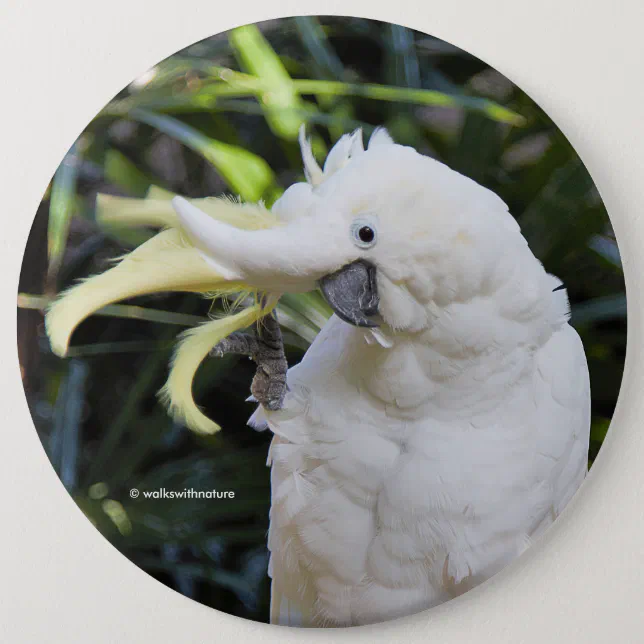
{"x":583,"y":582}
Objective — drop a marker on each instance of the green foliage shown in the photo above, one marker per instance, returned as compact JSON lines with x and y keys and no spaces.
{"x":222,"y":117}
{"x":61,"y":207}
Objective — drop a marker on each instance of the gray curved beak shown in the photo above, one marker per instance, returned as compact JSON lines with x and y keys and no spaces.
{"x":352,"y":293}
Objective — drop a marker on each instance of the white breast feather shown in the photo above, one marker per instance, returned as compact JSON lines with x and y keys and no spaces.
{"x":373,"y":520}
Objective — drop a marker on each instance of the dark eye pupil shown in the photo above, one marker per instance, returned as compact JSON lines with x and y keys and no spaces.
{"x":366,"y":234}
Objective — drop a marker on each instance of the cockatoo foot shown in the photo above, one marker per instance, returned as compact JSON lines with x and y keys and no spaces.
{"x":266,"y":348}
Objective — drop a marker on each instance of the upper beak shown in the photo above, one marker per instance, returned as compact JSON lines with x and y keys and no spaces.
{"x":352,"y":293}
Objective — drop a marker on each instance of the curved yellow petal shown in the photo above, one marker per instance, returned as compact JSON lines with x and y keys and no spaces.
{"x":167,"y":262}
{"x":124,"y":211}
{"x":164,"y":263}
{"x":157,"y":211}
{"x":193,"y":348}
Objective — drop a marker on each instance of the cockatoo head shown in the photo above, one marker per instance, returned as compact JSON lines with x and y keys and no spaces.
{"x":384,"y":232}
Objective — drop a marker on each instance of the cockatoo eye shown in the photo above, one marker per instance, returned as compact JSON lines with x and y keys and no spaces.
{"x":363,"y":233}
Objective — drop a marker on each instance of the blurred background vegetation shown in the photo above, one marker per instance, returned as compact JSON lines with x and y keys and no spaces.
{"x":222,"y":116}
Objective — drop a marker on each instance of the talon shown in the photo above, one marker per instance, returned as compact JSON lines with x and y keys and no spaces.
{"x":239,"y":343}
{"x":217,"y":351}
{"x":273,"y":405}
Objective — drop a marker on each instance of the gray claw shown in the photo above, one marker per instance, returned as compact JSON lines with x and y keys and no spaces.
{"x":217,"y":351}
{"x":239,"y":343}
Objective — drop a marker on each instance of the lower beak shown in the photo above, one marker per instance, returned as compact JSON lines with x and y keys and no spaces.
{"x":352,"y":293}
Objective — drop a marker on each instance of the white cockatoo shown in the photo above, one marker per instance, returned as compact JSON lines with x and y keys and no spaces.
{"x":440,"y":420}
